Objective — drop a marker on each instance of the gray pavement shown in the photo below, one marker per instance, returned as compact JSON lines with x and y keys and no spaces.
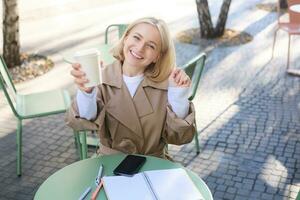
{"x":247,"y":115}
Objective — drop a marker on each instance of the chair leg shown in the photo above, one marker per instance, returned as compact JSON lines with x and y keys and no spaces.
{"x":77,"y":143}
{"x":288,"y":56}
{"x":274,"y":41}
{"x":19,"y":148}
{"x":197,"y":143}
{"x":82,"y":137}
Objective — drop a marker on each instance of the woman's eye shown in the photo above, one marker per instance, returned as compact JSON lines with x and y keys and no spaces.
{"x":136,"y":37}
{"x":151,"y":46}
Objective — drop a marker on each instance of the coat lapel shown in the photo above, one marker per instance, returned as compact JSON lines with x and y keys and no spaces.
{"x":121,"y":105}
{"x":122,"y":108}
{"x":141,"y":99}
{"x":142,"y":103}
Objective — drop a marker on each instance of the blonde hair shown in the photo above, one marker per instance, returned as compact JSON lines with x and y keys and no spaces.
{"x":160,"y":70}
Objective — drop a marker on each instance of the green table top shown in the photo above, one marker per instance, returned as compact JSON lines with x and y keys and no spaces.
{"x":71,"y":181}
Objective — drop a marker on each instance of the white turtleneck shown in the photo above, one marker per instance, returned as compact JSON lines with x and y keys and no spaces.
{"x":132,"y":83}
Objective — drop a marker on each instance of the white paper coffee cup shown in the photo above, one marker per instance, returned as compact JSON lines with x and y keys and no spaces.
{"x":89,"y":59}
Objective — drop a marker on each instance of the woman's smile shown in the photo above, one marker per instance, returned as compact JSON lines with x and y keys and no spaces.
{"x":136,"y":55}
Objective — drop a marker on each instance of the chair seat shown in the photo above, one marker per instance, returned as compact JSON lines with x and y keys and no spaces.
{"x":293,"y":29}
{"x":42,"y":104}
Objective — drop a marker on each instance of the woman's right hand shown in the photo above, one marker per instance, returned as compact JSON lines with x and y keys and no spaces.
{"x":80,"y":78}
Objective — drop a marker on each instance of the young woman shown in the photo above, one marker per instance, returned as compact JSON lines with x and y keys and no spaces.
{"x":142,"y":103}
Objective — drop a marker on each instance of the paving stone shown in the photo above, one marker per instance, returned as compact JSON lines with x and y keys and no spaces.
{"x":229,"y":183}
{"x":266,"y":196}
{"x":218,"y":195}
{"x":231,"y":190}
{"x":259,"y":187}
{"x":244,"y":192}
{"x":240,"y":197}
{"x":255,"y":195}
{"x":271,"y":190}
{"x":237,"y":179}
{"x":228,"y":196}
{"x":242,"y":174}
{"x":221,"y":188}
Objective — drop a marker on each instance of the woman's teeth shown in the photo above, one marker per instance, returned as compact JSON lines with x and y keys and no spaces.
{"x":135,"y":55}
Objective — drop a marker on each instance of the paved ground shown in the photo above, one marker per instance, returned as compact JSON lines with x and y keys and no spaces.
{"x":247,"y":114}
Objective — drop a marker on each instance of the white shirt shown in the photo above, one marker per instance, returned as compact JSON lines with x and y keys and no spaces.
{"x":133,"y":83}
{"x":177,"y":97}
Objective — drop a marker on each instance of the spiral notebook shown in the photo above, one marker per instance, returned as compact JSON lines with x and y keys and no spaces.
{"x":166,"y":184}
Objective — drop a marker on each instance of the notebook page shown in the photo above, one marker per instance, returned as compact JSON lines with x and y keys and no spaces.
{"x":123,"y":187}
{"x":173,"y":184}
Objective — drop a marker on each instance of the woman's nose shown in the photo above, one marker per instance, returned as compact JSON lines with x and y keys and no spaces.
{"x":140,"y":46}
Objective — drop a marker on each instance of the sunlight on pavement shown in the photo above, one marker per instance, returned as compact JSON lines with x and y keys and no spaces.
{"x":268,"y":171}
{"x":217,"y":100}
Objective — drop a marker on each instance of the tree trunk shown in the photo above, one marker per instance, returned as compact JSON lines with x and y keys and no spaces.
{"x":220,"y":27}
{"x":206,"y":25}
{"x":11,"y":41}
{"x":283,"y":4}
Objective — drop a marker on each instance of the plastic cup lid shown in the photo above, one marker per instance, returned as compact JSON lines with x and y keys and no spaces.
{"x":87,"y":52}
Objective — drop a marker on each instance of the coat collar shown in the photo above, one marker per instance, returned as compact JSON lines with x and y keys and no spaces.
{"x":112,"y":75}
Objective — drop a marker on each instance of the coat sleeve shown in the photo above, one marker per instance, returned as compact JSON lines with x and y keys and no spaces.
{"x":180,"y":131}
{"x":74,"y":121}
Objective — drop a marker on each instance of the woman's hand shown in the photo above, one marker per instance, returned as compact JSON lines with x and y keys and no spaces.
{"x":178,"y":78}
{"x":80,"y":78}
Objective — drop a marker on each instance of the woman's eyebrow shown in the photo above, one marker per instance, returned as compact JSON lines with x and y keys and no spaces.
{"x":143,"y":37}
{"x":138,"y":34}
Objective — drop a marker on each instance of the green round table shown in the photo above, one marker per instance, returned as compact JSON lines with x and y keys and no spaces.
{"x":71,"y":181}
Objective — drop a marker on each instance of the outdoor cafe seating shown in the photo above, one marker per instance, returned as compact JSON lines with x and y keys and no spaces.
{"x":292,"y":27}
{"x":30,"y":106}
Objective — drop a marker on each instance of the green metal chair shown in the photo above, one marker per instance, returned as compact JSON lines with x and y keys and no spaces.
{"x":120,"y":27}
{"x":84,"y":141}
{"x":31,"y":106}
{"x":194,"y":69}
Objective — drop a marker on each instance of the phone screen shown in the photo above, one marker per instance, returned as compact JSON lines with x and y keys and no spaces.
{"x":130,"y":165}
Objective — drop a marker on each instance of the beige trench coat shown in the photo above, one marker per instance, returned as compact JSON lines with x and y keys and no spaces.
{"x":143,"y":124}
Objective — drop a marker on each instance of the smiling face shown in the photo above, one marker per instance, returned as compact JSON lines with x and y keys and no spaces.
{"x":142,"y":46}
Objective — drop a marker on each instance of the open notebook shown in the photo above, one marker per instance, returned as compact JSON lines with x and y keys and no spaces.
{"x":166,"y":184}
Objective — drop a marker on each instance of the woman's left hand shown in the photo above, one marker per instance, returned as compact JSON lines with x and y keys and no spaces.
{"x":178,"y":78}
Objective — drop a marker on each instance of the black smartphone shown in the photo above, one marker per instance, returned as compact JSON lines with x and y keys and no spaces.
{"x":130,"y":165}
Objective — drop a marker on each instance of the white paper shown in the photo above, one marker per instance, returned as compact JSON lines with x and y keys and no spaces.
{"x":123,"y":187}
{"x":173,"y":184}
{"x":170,"y":184}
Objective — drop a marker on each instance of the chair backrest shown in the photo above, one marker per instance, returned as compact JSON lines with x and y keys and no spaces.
{"x":294,"y":16}
{"x":8,"y":86}
{"x":194,"y":70}
{"x":120,"y":27}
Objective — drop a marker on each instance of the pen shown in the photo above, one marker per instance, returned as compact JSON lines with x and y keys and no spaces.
{"x":95,"y":193}
{"x":98,"y":182}
{"x":87,"y":190}
{"x":99,"y":175}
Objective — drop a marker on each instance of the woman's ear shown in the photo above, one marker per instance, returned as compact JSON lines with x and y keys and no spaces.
{"x":126,"y":36}
{"x":157,"y":58}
